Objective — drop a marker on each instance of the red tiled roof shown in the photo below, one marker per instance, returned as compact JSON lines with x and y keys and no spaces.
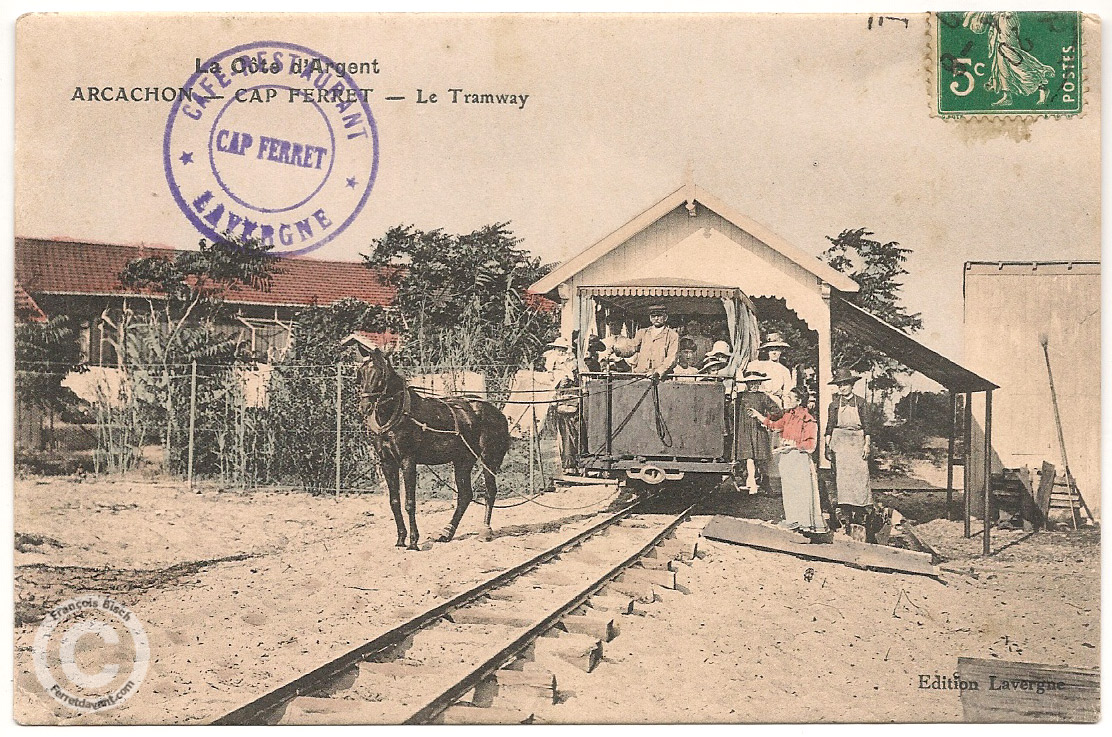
{"x":26,"y":310}
{"x":68,"y":267}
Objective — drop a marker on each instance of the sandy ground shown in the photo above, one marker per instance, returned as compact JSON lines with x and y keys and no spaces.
{"x":240,"y":593}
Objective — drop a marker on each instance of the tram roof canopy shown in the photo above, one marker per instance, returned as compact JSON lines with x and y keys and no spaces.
{"x":904,"y":348}
{"x":683,"y":296}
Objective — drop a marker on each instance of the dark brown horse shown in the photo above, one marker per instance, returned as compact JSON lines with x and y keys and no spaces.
{"x":408,"y":429}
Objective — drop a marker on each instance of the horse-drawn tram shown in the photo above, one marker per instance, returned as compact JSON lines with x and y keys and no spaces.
{"x":649,"y":426}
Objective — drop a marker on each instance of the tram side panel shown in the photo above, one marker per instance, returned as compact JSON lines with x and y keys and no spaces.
{"x":671,"y":423}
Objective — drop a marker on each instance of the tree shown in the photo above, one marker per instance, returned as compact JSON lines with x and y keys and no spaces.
{"x":461,"y":299}
{"x":45,"y":353}
{"x":877,"y":268}
{"x":303,"y":386}
{"x":184,"y":297}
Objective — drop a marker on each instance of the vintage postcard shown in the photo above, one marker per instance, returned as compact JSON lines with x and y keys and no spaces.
{"x":557,"y":368}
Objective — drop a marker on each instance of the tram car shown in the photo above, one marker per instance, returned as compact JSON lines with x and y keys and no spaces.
{"x":650,"y":429}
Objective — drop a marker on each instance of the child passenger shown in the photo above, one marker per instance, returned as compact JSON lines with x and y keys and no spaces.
{"x":685,"y":363}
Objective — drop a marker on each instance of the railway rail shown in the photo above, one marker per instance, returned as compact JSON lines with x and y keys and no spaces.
{"x":562,"y":603}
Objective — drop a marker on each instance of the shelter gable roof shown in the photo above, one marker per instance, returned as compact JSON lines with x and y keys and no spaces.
{"x":694,"y":194}
{"x":905,"y":349}
{"x":76,"y":268}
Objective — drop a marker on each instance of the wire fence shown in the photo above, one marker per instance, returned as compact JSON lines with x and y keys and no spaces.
{"x":254,"y":425}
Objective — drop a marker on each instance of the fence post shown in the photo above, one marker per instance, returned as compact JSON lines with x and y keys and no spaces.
{"x":192,"y":420}
{"x":339,"y":417}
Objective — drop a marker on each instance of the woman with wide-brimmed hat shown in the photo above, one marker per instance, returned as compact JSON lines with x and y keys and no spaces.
{"x":780,"y":380}
{"x":848,"y":445}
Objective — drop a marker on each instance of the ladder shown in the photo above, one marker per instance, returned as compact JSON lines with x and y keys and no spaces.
{"x":1059,"y":491}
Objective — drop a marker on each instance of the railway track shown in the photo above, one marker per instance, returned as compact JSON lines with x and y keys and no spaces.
{"x":495,"y":644}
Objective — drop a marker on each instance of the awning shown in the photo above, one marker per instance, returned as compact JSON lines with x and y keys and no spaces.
{"x":904,"y":348}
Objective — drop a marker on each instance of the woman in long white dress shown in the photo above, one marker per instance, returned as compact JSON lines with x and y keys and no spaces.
{"x":798,"y":479}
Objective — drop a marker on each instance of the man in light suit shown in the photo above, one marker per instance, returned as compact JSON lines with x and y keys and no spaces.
{"x":656,"y":345}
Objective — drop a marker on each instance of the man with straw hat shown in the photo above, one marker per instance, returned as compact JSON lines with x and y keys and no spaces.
{"x":848,"y":446}
{"x":780,"y":380}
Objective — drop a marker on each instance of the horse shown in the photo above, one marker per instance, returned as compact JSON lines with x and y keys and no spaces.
{"x":408,"y":429}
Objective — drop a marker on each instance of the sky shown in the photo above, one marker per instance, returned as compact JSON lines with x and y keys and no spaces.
{"x":807,"y":124}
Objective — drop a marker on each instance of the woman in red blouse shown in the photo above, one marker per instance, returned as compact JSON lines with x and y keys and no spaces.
{"x":798,"y":437}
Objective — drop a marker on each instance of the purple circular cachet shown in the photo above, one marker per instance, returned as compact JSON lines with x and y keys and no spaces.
{"x":274,"y":143}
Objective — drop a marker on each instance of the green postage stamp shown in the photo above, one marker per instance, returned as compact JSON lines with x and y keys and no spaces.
{"x":1008,"y":63}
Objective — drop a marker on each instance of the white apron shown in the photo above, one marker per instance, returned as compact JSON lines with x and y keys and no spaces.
{"x":851,"y":468}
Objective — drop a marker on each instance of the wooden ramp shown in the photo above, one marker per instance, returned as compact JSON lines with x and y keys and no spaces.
{"x":1028,"y":692}
{"x":850,"y":552}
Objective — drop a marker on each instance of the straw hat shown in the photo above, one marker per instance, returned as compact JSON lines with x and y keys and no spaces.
{"x":560,"y":342}
{"x":754,"y":376}
{"x":774,"y":340}
{"x":720,"y":348}
{"x":624,"y":347}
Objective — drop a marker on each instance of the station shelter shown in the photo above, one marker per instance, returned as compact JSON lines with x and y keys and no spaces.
{"x":693,"y":243}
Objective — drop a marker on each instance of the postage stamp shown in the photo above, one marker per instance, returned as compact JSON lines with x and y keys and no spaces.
{"x":1007,"y":63}
{"x":274,"y":142}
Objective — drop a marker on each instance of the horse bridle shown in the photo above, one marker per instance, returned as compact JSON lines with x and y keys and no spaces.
{"x":377,"y":396}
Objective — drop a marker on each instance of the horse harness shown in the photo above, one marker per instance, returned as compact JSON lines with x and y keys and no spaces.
{"x":403,"y":411}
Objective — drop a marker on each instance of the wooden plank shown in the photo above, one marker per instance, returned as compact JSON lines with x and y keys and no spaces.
{"x":843,"y":550}
{"x":464,"y":714}
{"x":678,"y":549}
{"x":542,"y":680}
{"x":1009,"y":692}
{"x":391,"y":670}
{"x":512,"y":593}
{"x":658,"y":564}
{"x":317,"y":711}
{"x":480,"y":615}
{"x":663,"y":579}
{"x":639,"y":590}
{"x":582,"y":651}
{"x":612,"y":603}
{"x":1032,"y":512}
{"x":1046,"y":487}
{"x":599,"y":626}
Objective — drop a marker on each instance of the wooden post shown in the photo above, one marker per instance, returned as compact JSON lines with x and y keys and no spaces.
{"x":987,"y":546}
{"x":339,"y":419}
{"x":950,"y":457}
{"x":532,"y":447}
{"x":192,"y":420}
{"x":540,"y":458}
{"x":532,"y":429}
{"x":966,"y":471}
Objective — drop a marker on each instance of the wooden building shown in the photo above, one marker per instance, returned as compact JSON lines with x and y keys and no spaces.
{"x":81,"y":280}
{"x":695,"y":239}
{"x":56,"y":277}
{"x":1009,"y":307}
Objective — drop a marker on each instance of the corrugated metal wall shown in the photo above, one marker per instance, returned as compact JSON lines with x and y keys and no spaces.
{"x":1007,"y":308}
